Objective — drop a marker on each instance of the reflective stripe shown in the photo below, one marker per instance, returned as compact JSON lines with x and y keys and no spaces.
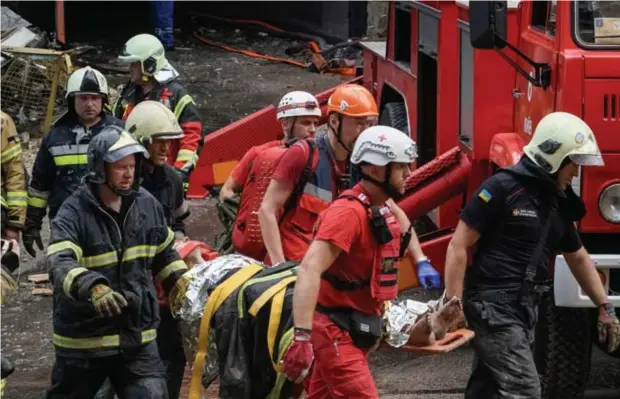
{"x":169,"y":269}
{"x":3,"y":202}
{"x":11,"y":152}
{"x":318,"y":192}
{"x":37,"y":202}
{"x":147,"y":251}
{"x":185,"y":155}
{"x":39,"y":194}
{"x":17,"y":198}
{"x":62,"y":245}
{"x":64,"y":160}
{"x":183,"y":102}
{"x":108,"y":258}
{"x":67,"y":149}
{"x":167,"y":242}
{"x":68,"y":281}
{"x":107,"y":341}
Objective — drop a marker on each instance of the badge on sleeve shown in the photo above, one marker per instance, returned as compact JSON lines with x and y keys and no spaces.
{"x":485,"y":195}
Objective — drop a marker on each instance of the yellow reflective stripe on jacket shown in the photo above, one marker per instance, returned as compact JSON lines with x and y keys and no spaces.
{"x":17,"y":198}
{"x":65,"y":160}
{"x":70,"y":277}
{"x":37,"y":202}
{"x":11,"y":152}
{"x":105,"y":259}
{"x":106,"y":341}
{"x":62,"y":245}
{"x":166,"y":242}
{"x":4,"y":202}
{"x":185,"y":155}
{"x":139,"y":251}
{"x":169,"y":269}
{"x":183,"y":102}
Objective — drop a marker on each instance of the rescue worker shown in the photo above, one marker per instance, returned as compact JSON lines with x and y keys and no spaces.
{"x":60,"y":163}
{"x":151,"y":77}
{"x":517,"y":220}
{"x":349,"y":271}
{"x":14,"y":195}
{"x":298,"y":113}
{"x":105,"y":309}
{"x":163,"y":19}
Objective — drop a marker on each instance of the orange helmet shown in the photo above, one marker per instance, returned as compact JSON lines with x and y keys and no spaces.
{"x":352,"y":100}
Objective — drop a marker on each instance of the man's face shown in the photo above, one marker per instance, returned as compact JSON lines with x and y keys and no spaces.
{"x":158,"y":151}
{"x":120,"y":174}
{"x":135,"y":73}
{"x":400,"y":173}
{"x":566,"y":174}
{"x":351,"y":127}
{"x":88,"y":106}
{"x":302,"y":127}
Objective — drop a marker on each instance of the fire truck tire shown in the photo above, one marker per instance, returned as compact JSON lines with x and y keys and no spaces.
{"x":394,"y":114}
{"x":563,"y":349}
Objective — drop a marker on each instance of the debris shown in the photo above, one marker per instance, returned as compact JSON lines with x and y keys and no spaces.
{"x":39,"y":278}
{"x":15,"y":32}
{"x":42,"y":291}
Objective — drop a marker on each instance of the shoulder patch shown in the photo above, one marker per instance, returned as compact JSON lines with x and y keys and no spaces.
{"x":485,"y":195}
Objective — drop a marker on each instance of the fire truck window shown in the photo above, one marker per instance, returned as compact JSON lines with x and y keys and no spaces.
{"x":543,"y":16}
{"x":597,"y":23}
{"x":402,"y":36}
{"x":466,"y":89}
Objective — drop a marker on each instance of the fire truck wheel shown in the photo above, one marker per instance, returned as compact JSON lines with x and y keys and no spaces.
{"x":563,"y":349}
{"x":395,"y":115}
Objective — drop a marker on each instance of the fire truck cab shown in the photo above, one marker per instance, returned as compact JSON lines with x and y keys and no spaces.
{"x":479,"y":76}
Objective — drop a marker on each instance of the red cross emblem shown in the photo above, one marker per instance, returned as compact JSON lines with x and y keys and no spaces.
{"x":382,"y":137}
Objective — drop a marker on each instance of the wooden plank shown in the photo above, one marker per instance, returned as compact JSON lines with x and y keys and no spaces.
{"x":42,"y":291}
{"x":31,"y":50}
{"x":39,"y":278}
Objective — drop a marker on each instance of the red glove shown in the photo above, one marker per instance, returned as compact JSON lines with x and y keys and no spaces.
{"x":297,"y":360}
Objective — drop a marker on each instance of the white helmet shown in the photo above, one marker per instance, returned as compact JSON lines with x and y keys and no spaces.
{"x":381,"y":145}
{"x":147,"y":50}
{"x":153,"y":120}
{"x":87,"y":81}
{"x":560,"y":135}
{"x":298,"y":103}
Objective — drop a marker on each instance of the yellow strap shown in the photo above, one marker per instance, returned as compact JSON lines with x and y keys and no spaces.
{"x":274,"y":322}
{"x":268,"y":294}
{"x":217,"y":297}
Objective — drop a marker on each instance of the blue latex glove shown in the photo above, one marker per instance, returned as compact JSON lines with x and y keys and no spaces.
{"x":427,"y":275}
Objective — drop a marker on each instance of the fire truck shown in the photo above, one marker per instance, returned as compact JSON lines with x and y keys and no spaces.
{"x":469,"y":82}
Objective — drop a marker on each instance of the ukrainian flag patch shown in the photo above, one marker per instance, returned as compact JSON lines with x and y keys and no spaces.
{"x":485,"y":195}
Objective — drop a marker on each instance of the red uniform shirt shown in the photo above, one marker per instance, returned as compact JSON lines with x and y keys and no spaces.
{"x":242,"y":169}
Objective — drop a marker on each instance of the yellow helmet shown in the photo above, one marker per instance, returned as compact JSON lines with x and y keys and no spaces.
{"x":151,"y":120}
{"x":147,"y":50}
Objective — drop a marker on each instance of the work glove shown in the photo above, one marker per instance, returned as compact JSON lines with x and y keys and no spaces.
{"x":608,"y":327}
{"x":427,"y":275}
{"x":31,"y":235}
{"x":297,"y":360}
{"x":107,"y":302}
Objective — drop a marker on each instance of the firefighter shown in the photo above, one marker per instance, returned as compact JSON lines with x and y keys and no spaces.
{"x":14,"y":195}
{"x":517,"y":220}
{"x":156,"y":128}
{"x":105,"y":310}
{"x":350,"y":270}
{"x":60,"y":163}
{"x":298,"y":113}
{"x":151,"y":77}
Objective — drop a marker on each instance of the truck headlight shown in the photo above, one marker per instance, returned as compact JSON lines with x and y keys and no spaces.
{"x":609,"y":203}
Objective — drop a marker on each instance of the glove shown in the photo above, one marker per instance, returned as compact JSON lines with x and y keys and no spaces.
{"x":10,"y":255}
{"x":608,"y":327}
{"x":297,"y":360}
{"x":184,"y":174}
{"x":427,"y":275}
{"x":31,"y":235}
{"x":107,"y":302}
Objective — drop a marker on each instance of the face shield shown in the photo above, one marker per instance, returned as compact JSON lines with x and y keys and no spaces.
{"x":587,"y":155}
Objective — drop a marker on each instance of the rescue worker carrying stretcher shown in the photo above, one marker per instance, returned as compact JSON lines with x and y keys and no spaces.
{"x":13,"y":182}
{"x":151,"y":77}
{"x":60,"y":163}
{"x":298,"y":113}
{"x":107,"y":242}
{"x":516,"y":221}
{"x":350,"y":270}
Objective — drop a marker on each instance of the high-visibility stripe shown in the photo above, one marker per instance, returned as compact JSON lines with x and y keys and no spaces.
{"x":105,"y":259}
{"x":17,"y":198}
{"x":185,"y":155}
{"x":65,"y":160}
{"x":62,"y":245}
{"x":106,"y":341}
{"x":3,"y":202}
{"x":67,"y":149}
{"x":167,"y":242}
{"x":318,"y":192}
{"x":37,"y":202}
{"x":70,"y":277}
{"x":169,"y":269}
{"x":139,"y":251}
{"x":11,"y":152}
{"x":183,"y":102}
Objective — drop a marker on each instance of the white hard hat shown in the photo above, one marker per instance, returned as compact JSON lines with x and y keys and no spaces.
{"x":87,"y":81}
{"x":147,"y":50}
{"x":298,"y":103}
{"x":153,"y":120}
{"x":560,"y":135}
{"x":380,"y":145}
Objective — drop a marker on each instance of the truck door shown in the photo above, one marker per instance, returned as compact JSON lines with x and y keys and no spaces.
{"x":538,"y":42}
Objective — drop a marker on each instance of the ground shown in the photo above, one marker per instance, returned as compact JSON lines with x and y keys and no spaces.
{"x":228,"y":86}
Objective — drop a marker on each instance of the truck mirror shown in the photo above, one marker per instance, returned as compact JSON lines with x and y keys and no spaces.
{"x":487,"y":24}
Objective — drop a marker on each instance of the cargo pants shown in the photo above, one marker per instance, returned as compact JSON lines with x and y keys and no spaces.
{"x":137,"y":373}
{"x":503,"y":346}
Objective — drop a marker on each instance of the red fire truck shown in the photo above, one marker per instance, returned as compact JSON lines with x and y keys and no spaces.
{"x":469,"y":83}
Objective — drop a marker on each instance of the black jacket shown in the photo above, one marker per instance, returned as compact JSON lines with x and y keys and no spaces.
{"x":166,"y":186}
{"x":85,"y":247}
{"x":60,"y":166}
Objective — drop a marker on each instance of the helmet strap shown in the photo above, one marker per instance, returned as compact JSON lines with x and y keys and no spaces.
{"x":384,"y":185}
{"x":339,"y":135}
